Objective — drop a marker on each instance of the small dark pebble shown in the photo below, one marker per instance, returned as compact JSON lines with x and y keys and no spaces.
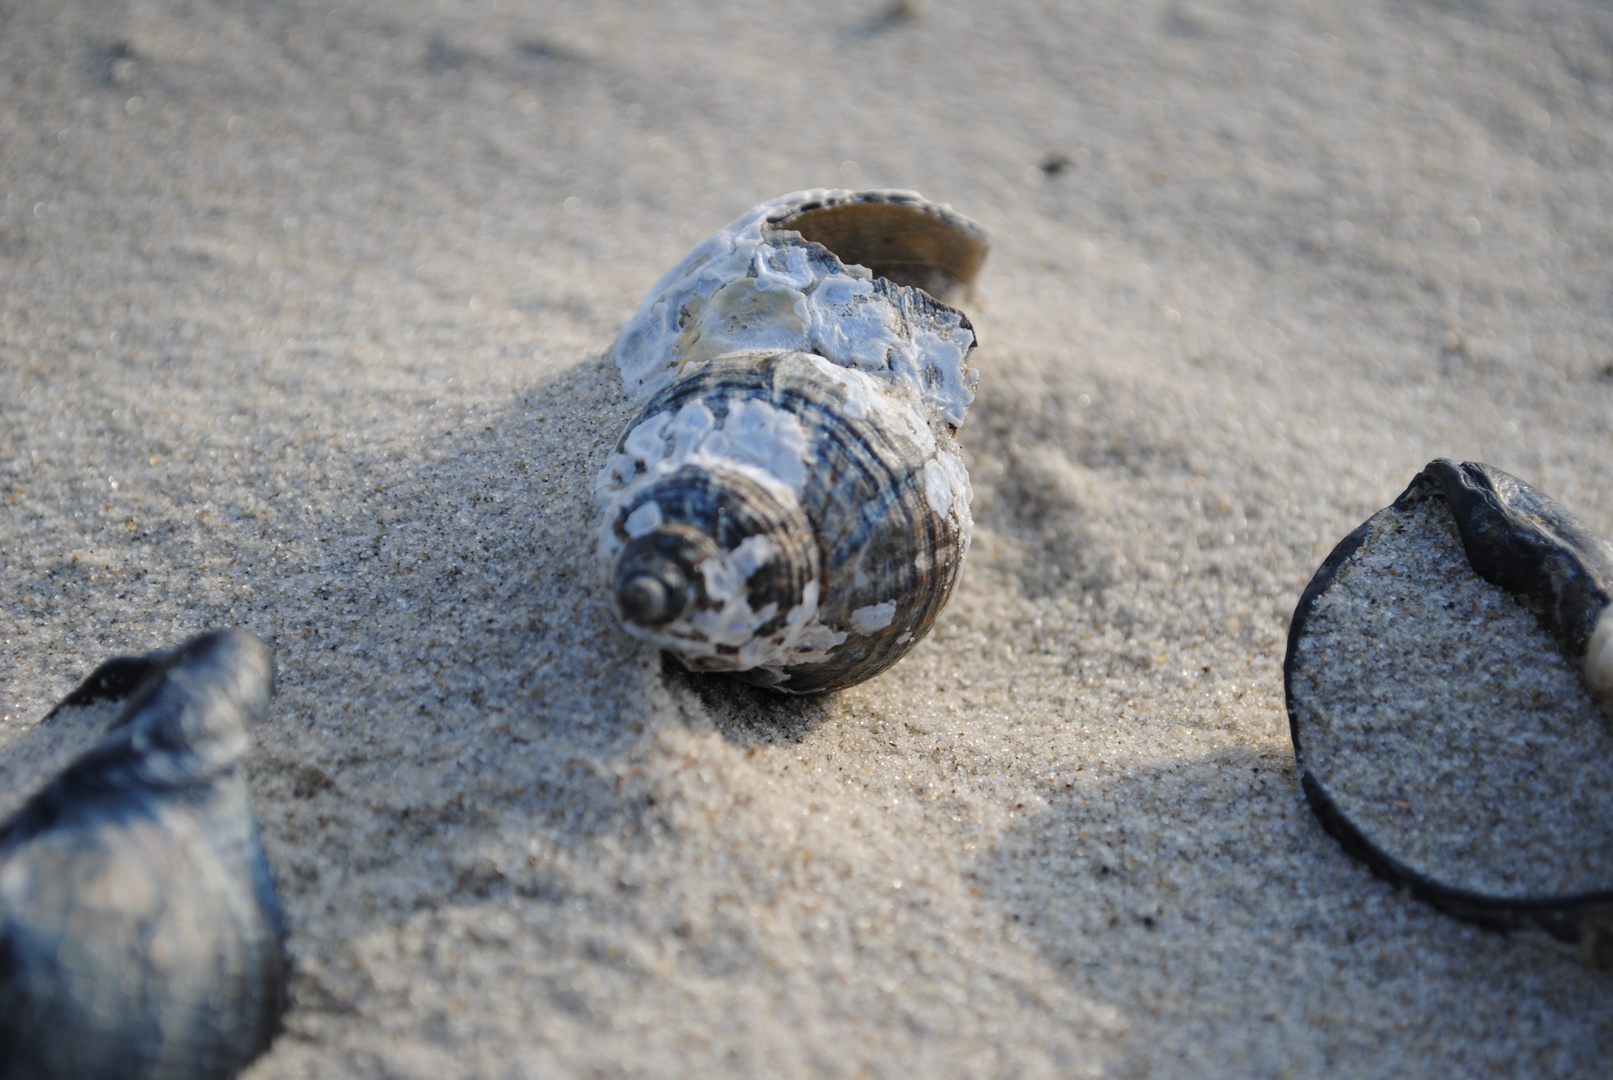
{"x":1053,"y":164}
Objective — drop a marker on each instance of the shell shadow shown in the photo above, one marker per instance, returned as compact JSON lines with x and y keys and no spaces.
{"x":467,"y":633}
{"x":458,"y":711}
{"x":748,"y":715}
{"x":470,"y":719}
{"x":1210,"y":873}
{"x":449,"y":671}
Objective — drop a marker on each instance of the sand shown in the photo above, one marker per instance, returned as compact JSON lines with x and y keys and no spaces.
{"x":302,"y":310}
{"x":1446,"y":723}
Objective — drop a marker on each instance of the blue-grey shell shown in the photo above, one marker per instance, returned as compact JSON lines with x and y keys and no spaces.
{"x":1525,"y":542}
{"x":140,"y":936}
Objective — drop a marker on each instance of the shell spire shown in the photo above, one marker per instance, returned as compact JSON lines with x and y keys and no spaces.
{"x":790,"y":505}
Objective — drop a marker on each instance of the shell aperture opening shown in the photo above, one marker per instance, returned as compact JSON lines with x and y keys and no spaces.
{"x":906,"y":241}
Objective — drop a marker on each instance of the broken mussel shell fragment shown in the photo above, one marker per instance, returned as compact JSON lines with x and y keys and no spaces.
{"x":790,"y":505}
{"x":1447,"y":679}
{"x":139,"y":931}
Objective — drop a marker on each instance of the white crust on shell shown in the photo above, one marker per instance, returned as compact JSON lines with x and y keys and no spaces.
{"x":893,"y":404}
{"x":873,"y":617}
{"x":751,"y":286}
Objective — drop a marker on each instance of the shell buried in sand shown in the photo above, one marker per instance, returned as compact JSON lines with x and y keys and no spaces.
{"x":1445,"y":676}
{"x":139,"y":931}
{"x":790,"y":506}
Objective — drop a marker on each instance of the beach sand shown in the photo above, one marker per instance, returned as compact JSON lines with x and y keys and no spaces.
{"x":302,"y":321}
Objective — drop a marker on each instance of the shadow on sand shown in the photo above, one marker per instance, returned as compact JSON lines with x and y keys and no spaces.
{"x":1171,"y":889}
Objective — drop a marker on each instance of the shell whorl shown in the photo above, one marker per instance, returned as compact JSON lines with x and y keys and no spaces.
{"x":807,"y":556}
{"x":790,"y":506}
{"x":709,"y":546}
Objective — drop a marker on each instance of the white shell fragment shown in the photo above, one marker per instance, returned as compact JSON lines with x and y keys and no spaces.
{"x":790,"y":505}
{"x":1599,"y":661}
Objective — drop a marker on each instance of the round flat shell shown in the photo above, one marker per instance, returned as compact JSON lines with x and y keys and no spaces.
{"x":1443,"y":735}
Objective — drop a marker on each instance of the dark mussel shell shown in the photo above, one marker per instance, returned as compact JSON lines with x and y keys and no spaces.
{"x":1520,"y":540}
{"x":139,"y":931}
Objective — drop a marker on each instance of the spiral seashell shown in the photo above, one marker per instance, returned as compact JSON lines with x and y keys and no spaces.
{"x":139,"y":931}
{"x":1431,"y":679}
{"x":790,"y":505}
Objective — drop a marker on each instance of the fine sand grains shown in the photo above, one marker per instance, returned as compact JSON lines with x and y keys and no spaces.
{"x":1445,"y":723}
